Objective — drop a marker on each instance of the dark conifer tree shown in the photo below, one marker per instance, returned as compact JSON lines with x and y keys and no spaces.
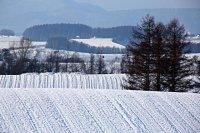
{"x":178,"y":64}
{"x":159,"y":56}
{"x":139,"y":77}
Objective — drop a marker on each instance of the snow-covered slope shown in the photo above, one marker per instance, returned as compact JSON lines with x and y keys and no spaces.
{"x":100,"y":42}
{"x":62,"y":80}
{"x":63,"y":111}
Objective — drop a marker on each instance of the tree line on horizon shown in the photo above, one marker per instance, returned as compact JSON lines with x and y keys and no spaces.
{"x":71,"y":31}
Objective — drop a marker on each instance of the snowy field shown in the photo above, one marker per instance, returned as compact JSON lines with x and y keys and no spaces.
{"x":10,"y":41}
{"x":100,"y":42}
{"x":62,"y":80}
{"x":62,"y":103}
{"x":92,"y":111}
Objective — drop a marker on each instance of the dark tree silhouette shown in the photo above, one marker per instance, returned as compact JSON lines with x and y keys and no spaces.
{"x":139,"y":76}
{"x":178,"y":65}
{"x":159,"y":48}
{"x":156,"y":57}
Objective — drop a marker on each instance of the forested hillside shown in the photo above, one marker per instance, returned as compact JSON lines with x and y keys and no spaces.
{"x":69,"y":31}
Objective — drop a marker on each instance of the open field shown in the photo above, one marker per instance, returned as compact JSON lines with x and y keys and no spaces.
{"x":76,"y":110}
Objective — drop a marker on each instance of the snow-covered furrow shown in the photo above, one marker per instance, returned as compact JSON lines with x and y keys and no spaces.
{"x":62,"y":80}
{"x":76,"y":110}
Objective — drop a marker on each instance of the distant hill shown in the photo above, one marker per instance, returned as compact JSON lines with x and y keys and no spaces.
{"x":47,"y":31}
{"x":72,"y":31}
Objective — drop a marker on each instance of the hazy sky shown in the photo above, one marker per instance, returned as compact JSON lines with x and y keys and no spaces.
{"x":143,"y":4}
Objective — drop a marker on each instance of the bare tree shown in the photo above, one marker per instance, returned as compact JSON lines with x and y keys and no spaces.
{"x":21,"y":52}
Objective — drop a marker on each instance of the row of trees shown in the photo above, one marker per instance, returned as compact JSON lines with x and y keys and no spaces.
{"x":155,"y":58}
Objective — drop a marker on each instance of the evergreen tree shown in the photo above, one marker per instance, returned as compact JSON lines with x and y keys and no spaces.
{"x":159,"y":48}
{"x":139,"y":76}
{"x":157,"y":61}
{"x":178,"y":64}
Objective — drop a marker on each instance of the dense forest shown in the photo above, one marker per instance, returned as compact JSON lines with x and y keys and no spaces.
{"x":69,"y":31}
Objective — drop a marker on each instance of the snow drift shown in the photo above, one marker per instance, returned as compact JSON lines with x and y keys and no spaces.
{"x":74,"y":110}
{"x":62,"y":80}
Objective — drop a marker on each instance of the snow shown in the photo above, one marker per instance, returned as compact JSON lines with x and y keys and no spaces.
{"x":65,"y":103}
{"x":10,"y":41}
{"x":76,"y":110}
{"x":192,"y":55}
{"x":99,"y":42}
{"x":39,"y":44}
{"x":62,"y":80}
{"x":45,"y":52}
{"x":194,"y":39}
